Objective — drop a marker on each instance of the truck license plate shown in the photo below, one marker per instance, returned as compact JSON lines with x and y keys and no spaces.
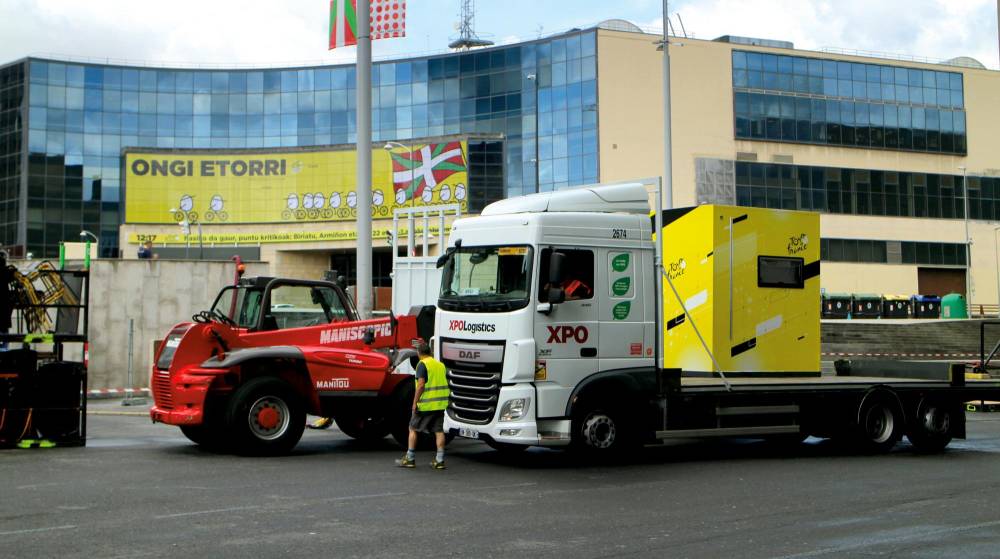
{"x":468,"y":433}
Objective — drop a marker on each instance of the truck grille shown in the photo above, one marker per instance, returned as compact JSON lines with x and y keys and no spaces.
{"x":475,"y":389}
{"x":162,"y":395}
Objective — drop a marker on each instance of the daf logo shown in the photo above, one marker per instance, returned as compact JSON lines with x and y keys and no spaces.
{"x":469,"y":355}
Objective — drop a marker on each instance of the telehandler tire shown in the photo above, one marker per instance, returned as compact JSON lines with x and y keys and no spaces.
{"x":265,"y":417}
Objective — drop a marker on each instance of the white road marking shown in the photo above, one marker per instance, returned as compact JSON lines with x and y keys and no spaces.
{"x":193,"y":513}
{"x":35,"y":530}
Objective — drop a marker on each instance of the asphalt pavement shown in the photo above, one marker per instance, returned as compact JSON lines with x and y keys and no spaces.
{"x":139,"y":489}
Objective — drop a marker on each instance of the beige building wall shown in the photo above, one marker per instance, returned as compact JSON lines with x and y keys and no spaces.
{"x":630,"y":87}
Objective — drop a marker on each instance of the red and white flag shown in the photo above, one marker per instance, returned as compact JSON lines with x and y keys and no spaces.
{"x":388,"y":21}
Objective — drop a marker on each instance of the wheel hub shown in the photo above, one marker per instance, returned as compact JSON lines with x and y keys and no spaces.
{"x":879,"y":424}
{"x":936,"y":421}
{"x":269,"y":417}
{"x":599,"y":431}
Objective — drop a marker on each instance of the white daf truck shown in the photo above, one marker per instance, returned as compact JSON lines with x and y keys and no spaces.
{"x":563,"y":321}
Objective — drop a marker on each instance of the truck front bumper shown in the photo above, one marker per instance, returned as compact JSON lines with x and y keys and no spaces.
{"x":526,"y":431}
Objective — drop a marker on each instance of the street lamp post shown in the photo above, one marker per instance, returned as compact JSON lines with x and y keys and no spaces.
{"x":413,"y":197}
{"x":968,"y":240}
{"x":534,"y":79}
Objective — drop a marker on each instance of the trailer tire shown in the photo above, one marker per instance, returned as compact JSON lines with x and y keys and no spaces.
{"x":931,"y":429}
{"x":601,"y":430}
{"x":265,"y":417}
{"x":879,"y":424}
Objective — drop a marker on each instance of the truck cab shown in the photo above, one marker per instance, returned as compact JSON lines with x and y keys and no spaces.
{"x":537,"y":294}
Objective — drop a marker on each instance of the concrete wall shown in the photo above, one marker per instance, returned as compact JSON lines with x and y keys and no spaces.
{"x":157,"y":294}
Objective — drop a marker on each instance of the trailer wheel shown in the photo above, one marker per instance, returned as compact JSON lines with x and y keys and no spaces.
{"x":932,"y":427}
{"x":265,"y":417}
{"x":879,"y":423}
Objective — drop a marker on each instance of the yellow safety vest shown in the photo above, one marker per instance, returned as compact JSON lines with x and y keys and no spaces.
{"x":436,"y":392}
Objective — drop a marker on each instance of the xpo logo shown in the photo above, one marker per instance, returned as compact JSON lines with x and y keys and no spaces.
{"x":564,"y":334}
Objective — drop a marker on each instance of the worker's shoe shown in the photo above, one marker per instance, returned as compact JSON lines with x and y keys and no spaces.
{"x":321,"y":423}
{"x":405,"y":462}
{"x":437,"y":465}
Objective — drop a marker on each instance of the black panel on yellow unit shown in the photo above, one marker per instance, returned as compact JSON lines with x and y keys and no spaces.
{"x":749,"y":277}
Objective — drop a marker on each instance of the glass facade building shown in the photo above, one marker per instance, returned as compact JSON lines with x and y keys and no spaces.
{"x":63,"y":125}
{"x":819,"y":101}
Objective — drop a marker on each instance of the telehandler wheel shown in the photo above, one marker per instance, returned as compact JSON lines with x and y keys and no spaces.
{"x":208,"y":436}
{"x":879,"y":423}
{"x":265,"y":417}
{"x":932,"y":426}
{"x":362,"y":427}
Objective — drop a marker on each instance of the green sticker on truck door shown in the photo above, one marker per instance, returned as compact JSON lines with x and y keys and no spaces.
{"x":621,"y":286}
{"x":621,"y":310}
{"x":620,"y":262}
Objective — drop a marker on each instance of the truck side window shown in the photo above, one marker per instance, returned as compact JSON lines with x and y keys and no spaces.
{"x":296,"y":306}
{"x":578,"y":280}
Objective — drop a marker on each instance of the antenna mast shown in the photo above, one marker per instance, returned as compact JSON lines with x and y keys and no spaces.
{"x":467,"y":37}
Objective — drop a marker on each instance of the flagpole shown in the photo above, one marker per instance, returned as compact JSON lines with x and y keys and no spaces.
{"x":364,"y":151}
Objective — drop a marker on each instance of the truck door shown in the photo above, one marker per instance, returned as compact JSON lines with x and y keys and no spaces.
{"x":567,"y":338}
{"x":621,"y":316}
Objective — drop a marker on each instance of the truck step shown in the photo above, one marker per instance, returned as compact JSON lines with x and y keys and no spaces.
{"x":728,"y":432}
{"x":756,"y":410}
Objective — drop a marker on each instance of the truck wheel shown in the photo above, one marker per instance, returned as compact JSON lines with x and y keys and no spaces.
{"x":362,"y":427}
{"x":601,"y":430}
{"x":879,"y":424}
{"x":931,"y":429}
{"x":265,"y":417}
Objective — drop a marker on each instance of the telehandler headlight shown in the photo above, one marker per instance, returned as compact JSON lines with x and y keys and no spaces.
{"x":514,"y":409}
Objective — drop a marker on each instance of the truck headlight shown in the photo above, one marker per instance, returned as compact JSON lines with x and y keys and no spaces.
{"x":514,"y":409}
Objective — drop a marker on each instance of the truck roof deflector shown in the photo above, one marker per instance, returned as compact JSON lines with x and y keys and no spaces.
{"x":629,"y":197}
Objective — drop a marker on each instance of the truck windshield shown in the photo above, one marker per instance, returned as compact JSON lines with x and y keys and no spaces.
{"x":486,"y":279}
{"x":241,"y":304}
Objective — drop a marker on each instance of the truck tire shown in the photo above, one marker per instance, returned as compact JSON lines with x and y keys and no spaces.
{"x":879,"y":424}
{"x":931,"y":429}
{"x":601,"y":430}
{"x":362,"y":427}
{"x":265,"y":417}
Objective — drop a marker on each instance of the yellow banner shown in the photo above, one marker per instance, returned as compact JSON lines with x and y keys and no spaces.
{"x":264,"y":238}
{"x":274,"y":187}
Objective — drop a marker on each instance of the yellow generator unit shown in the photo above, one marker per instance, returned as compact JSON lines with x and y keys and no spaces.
{"x":749,"y":278}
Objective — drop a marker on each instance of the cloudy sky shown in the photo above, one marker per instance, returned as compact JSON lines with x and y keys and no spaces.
{"x":274,"y":32}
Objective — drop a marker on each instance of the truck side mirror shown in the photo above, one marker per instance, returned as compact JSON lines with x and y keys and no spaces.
{"x":557,"y":295}
{"x":557,"y":264}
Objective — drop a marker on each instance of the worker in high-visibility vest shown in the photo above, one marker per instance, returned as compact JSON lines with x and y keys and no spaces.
{"x":429,"y":402}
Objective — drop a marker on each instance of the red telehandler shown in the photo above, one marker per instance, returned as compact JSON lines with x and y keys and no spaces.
{"x":243,"y":375}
